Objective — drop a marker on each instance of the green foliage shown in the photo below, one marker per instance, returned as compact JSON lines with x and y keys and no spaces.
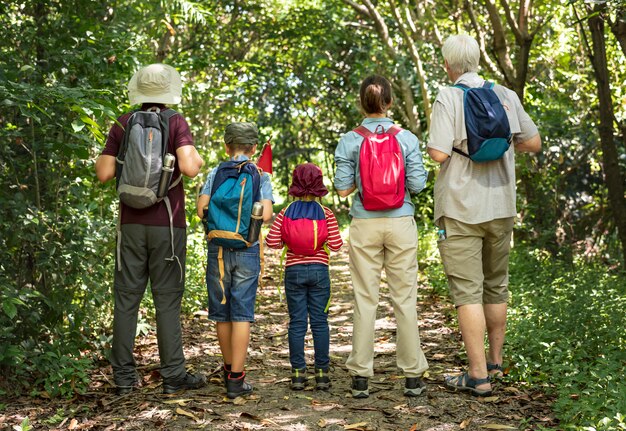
{"x":566,"y":330}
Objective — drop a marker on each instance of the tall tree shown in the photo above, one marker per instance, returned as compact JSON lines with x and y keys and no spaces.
{"x":614,"y":177}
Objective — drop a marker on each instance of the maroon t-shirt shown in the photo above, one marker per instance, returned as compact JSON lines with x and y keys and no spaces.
{"x":156,"y":215}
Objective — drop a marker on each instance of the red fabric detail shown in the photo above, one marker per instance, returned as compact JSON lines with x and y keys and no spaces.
{"x":307,"y":179}
{"x":155,"y":215}
{"x":265,"y":159}
{"x":334,"y":241}
{"x":381,"y":166}
{"x":300,"y":236}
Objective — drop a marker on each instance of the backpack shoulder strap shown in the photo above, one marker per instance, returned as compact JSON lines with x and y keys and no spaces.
{"x":456,"y":150}
{"x":164,"y":119}
{"x":394,"y":130}
{"x":489,"y":85}
{"x":461,"y":87}
{"x":363,"y":131}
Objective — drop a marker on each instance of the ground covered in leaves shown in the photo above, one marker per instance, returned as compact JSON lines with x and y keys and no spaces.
{"x":273,"y":406}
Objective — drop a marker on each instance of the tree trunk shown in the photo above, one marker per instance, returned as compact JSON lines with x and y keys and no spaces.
{"x":613,"y":177}
{"x":618,"y":27}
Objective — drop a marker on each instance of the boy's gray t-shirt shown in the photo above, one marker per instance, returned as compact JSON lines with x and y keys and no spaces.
{"x":465,"y":190}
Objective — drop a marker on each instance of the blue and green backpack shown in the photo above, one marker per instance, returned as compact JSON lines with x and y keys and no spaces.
{"x":486,"y":123}
{"x":236,"y":186}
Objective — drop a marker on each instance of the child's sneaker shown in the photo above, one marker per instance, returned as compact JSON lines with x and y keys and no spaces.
{"x":237,"y":386}
{"x":298,"y":379}
{"x":359,"y":387}
{"x":322,"y":380}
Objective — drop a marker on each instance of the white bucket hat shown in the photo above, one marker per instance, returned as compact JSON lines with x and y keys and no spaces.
{"x":156,"y":83}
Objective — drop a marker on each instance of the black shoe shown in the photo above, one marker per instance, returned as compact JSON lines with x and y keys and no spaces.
{"x":190,"y":381}
{"x":236,"y":387}
{"x":322,"y":380}
{"x":414,"y":386}
{"x":359,"y":387}
{"x":298,"y":379}
{"x":123,"y":390}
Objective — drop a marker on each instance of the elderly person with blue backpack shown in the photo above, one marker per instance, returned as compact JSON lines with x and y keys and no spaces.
{"x":384,"y":163}
{"x":475,"y":129}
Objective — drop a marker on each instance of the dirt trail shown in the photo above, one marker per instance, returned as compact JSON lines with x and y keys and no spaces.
{"x":273,"y":406}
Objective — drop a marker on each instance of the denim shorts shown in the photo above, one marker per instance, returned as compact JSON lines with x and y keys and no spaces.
{"x":233,"y":298}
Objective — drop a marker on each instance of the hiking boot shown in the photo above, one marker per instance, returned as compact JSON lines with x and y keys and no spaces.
{"x":322,"y":379}
{"x":190,"y":381}
{"x":236,"y":387}
{"x":359,"y":387}
{"x":414,"y":386}
{"x":298,"y":379}
{"x":123,"y":390}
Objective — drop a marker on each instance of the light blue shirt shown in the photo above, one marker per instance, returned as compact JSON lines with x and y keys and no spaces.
{"x":347,"y":172}
{"x":265,"y":189}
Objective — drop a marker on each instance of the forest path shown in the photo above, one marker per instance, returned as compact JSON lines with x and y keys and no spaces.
{"x":273,"y":406}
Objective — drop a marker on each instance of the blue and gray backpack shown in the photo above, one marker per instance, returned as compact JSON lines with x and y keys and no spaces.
{"x":486,"y":123}
{"x":236,"y":186}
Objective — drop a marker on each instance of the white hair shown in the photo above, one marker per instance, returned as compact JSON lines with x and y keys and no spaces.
{"x":462,"y":53}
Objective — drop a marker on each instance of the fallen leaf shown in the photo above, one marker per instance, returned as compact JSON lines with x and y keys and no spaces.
{"x":251,"y":416}
{"x":269,"y":422}
{"x":239,"y":401}
{"x":186,"y":413}
{"x":180,"y":402}
{"x":278,"y":334}
{"x":498,"y":427}
{"x":356,"y":426}
{"x":414,"y":427}
{"x":465,"y":423}
{"x":73,"y":424}
{"x":322,"y":423}
{"x":490,"y":399}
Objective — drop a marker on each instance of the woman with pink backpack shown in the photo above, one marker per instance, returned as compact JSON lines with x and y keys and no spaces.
{"x":309,"y":230}
{"x":383,"y":163}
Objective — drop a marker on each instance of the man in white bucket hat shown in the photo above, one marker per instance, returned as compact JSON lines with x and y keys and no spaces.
{"x":152,"y":240}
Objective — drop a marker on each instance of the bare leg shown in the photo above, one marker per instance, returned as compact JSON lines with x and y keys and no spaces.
{"x":495,"y":317}
{"x":239,"y":339}
{"x":224,"y":335}
{"x":473,"y":326}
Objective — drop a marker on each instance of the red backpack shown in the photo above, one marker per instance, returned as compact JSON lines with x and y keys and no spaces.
{"x":304,"y":230}
{"x":381,"y":165}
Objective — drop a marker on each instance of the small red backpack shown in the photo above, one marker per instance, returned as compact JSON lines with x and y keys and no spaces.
{"x":304,"y":230}
{"x":381,"y":166}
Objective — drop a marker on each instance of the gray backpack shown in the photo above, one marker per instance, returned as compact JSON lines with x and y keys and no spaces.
{"x":139,"y":165}
{"x":140,"y":158}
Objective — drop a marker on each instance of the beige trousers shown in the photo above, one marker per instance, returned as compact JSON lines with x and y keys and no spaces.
{"x":389,"y":243}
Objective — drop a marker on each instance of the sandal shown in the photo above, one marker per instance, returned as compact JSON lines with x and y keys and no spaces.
{"x":499,"y":371}
{"x":465,"y":383}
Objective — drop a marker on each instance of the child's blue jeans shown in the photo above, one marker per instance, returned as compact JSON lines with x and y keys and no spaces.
{"x":232,"y":284}
{"x":308,"y":290}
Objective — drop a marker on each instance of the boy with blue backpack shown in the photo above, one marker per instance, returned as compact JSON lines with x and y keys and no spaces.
{"x":308,"y":230}
{"x":231,"y":193}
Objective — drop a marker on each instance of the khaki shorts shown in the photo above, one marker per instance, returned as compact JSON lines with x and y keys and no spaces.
{"x":476,"y":260}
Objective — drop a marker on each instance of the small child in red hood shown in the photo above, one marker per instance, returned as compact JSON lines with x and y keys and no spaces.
{"x":309,"y":230}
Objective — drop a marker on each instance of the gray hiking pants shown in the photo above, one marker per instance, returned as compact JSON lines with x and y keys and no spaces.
{"x":143,"y":253}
